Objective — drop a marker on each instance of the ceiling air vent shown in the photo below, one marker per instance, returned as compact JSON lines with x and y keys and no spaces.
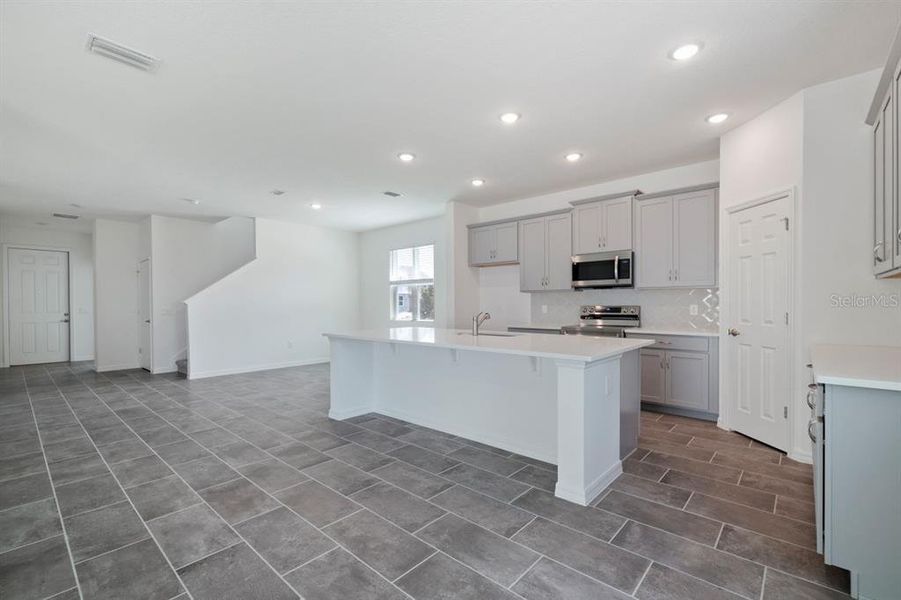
{"x":64,"y":216}
{"x":392,"y":194}
{"x":123,"y":54}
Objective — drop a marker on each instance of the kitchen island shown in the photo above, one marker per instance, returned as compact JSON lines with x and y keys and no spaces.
{"x":568,"y":400}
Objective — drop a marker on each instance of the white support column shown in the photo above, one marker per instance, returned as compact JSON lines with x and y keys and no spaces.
{"x":352,"y":378}
{"x":588,"y":428}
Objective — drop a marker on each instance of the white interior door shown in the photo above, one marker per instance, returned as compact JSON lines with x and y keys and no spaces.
{"x":145,"y":323}
{"x":38,"y":306}
{"x":758,"y":339}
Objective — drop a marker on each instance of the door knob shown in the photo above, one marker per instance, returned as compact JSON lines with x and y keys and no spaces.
{"x":733,"y":332}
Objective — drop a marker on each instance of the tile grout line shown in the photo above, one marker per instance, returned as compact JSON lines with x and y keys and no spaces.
{"x":414,"y":567}
{"x":379,"y":516}
{"x":643,"y":576}
{"x":121,"y":487}
{"x":59,"y":515}
{"x":277,"y":500}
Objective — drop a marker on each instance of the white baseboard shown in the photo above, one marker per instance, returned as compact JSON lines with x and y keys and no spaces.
{"x":349,"y":413}
{"x":801,"y":456}
{"x":253,"y":368}
{"x":122,"y":367}
{"x":586,"y":496}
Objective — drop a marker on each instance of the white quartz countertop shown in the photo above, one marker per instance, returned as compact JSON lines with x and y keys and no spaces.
{"x":563,"y":347}
{"x":651,"y":330}
{"x":876,"y":367}
{"x":672,"y":331}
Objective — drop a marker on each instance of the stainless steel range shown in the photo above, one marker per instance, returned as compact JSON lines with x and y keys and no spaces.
{"x":609,"y":321}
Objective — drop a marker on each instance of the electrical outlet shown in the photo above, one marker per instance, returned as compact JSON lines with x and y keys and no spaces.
{"x":544,"y":309}
{"x":693,"y":310}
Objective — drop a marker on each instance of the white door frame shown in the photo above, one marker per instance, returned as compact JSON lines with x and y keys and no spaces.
{"x":5,"y":267}
{"x":149,"y":304}
{"x":726,"y":375}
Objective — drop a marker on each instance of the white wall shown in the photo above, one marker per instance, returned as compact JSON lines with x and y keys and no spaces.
{"x":117,"y":249}
{"x":463,"y":281}
{"x":272,"y":312}
{"x":186,"y":257}
{"x":375,"y":245}
{"x":656,"y":181}
{"x":837,"y":243}
{"x":817,"y":143}
{"x":19,"y":232}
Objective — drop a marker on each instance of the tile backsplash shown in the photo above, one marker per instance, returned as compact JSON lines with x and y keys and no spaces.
{"x":659,"y":308}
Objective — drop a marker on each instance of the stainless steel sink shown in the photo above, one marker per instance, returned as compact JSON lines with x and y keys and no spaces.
{"x":490,"y":334}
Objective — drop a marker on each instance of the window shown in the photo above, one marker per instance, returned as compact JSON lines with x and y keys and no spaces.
{"x":412,"y":283}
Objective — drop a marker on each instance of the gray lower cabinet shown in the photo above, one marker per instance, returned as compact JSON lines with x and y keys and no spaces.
{"x":679,"y":372}
{"x":861,"y":524}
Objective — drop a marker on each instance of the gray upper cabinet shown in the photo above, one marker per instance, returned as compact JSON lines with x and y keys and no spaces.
{"x":654,"y":250}
{"x":676,"y":240}
{"x":546,"y":253}
{"x":603,"y":225}
{"x":495,"y":244}
{"x":885,"y":116}
{"x":694,"y":239}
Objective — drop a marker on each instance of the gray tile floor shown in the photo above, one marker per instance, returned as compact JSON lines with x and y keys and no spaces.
{"x":131,"y":486}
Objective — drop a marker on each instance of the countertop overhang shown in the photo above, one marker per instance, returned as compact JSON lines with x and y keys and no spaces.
{"x":585,"y":349}
{"x":875,"y":367}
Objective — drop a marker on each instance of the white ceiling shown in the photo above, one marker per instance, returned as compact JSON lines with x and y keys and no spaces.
{"x":317,"y":98}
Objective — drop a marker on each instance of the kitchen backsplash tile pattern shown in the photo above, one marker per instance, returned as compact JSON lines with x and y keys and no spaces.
{"x":659,"y":308}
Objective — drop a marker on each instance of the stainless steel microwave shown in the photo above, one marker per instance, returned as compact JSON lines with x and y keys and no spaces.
{"x":603,"y":270}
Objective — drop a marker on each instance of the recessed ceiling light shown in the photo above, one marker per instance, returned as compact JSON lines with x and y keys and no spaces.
{"x":510,"y":118}
{"x":192,"y":201}
{"x":73,"y":205}
{"x":478,"y":182}
{"x":574,"y":156}
{"x":685,"y":52}
{"x":277,"y":192}
{"x":392,"y":194}
{"x":315,"y":206}
{"x":717,"y":118}
{"x":406,"y":156}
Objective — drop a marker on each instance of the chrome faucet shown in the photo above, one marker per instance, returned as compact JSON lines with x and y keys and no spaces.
{"x":478,"y":320}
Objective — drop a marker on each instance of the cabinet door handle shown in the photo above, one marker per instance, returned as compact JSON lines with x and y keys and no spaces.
{"x":876,"y":252}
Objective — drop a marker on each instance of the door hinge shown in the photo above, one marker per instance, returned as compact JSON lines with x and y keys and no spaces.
{"x":784,"y":412}
{"x":785,"y":220}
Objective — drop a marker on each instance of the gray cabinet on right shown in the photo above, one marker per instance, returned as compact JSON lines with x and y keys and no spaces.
{"x":675,"y":239}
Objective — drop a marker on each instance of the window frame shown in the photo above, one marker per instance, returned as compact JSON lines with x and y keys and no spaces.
{"x":412,"y":282}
